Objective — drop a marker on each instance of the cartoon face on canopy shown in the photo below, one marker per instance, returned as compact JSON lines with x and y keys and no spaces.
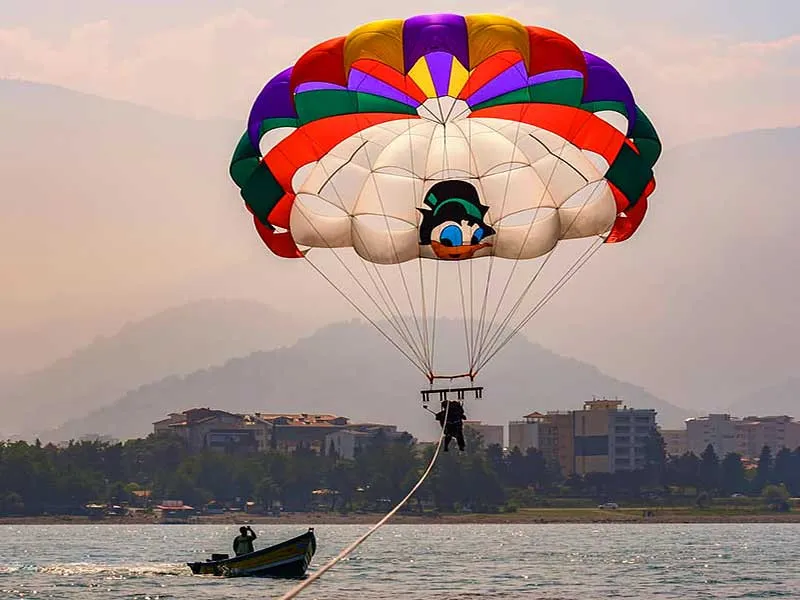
{"x":453,"y":222}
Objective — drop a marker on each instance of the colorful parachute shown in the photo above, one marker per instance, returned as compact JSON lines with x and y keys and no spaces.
{"x":449,"y":138}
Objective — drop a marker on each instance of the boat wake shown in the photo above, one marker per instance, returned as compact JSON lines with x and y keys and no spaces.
{"x":99,"y":571}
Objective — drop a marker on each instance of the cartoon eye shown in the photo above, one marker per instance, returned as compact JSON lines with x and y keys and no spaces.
{"x":451,"y":236}
{"x":477,"y":236}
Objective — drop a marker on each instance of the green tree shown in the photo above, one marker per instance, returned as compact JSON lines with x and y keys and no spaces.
{"x":763,"y":471}
{"x":655,"y":459}
{"x":517,"y":469}
{"x":732,"y":476}
{"x":793,"y":481}
{"x":776,"y":497}
{"x":709,"y":470}
{"x":684,"y":471}
{"x":782,"y":472}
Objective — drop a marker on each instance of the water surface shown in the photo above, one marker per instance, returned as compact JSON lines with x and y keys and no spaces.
{"x":532,"y":562}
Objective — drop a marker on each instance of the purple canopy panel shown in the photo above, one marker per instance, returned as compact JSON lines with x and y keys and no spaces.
{"x":314,"y":86}
{"x":439,"y":65}
{"x":275,"y":100}
{"x":603,"y":82}
{"x":554,"y":76}
{"x":363,"y":82}
{"x":424,"y":34}
{"x":513,"y":78}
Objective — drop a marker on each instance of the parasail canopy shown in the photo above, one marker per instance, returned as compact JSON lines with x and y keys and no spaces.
{"x":448,"y":138}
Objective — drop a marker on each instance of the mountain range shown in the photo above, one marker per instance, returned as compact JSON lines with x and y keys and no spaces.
{"x":349,"y":369}
{"x":174,"y":342}
{"x":114,"y":212}
{"x":782,"y":398}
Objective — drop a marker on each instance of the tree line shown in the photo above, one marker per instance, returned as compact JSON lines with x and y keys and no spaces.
{"x":37,"y":479}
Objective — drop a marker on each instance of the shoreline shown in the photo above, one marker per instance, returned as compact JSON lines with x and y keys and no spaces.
{"x":527,"y":517}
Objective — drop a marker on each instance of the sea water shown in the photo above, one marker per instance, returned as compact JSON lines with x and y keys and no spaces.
{"x":536,"y":562}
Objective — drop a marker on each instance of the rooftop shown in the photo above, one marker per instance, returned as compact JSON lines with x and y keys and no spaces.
{"x":302,"y":418}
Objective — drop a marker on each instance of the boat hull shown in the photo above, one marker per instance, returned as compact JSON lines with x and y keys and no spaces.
{"x":289,"y":559}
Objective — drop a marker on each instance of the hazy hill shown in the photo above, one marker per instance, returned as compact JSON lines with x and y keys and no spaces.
{"x":106,"y":207}
{"x":349,"y":369}
{"x":174,"y":342}
{"x":702,"y":304}
{"x":780,"y":399}
{"x":113,"y":211}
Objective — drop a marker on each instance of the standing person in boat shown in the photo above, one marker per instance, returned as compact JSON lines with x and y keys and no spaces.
{"x":454,"y":428}
{"x":243,"y":543}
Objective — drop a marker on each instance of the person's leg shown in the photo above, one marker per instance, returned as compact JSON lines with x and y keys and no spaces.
{"x":460,"y":439}
{"x":448,"y":435}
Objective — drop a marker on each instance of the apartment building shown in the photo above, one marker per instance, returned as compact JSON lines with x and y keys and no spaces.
{"x":676,"y":441}
{"x":218,"y":430}
{"x":745,"y":436}
{"x":611,"y":437}
{"x":491,"y":434}
{"x":605,"y":436}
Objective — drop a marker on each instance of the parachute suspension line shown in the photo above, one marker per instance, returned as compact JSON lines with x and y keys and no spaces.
{"x":413,"y":350}
{"x":417,"y":361}
{"x":396,"y":321}
{"x":473,"y":333}
{"x":467,"y":339}
{"x":471,"y":311}
{"x":409,"y":342}
{"x":580,"y":262}
{"x":484,"y":304}
{"x":582,"y":259}
{"x":488,"y":331}
{"x":558,"y":158}
{"x":397,"y":313}
{"x":414,"y":361}
{"x":428,"y":342}
{"x":396,"y":316}
{"x":489,"y":340}
{"x":424,"y":349}
{"x":330,"y":564}
{"x":435,"y":310}
{"x":401,"y":326}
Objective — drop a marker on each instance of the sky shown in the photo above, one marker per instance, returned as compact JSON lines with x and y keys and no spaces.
{"x":700,"y":68}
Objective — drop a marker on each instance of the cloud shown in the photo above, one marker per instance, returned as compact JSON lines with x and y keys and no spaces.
{"x":779,"y":45}
{"x":693,"y":86}
{"x":207,"y":69}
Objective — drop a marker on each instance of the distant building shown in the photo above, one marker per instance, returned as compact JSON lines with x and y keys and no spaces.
{"x":491,"y":434}
{"x":604,"y":437}
{"x":610,"y":437}
{"x":205,"y":428}
{"x":777,"y":432}
{"x":209,"y":429}
{"x":745,"y":436}
{"x":716,"y":429}
{"x":348,"y":443}
{"x":676,"y":441}
{"x":526,"y":434}
{"x":558,"y":441}
{"x":293,"y":430}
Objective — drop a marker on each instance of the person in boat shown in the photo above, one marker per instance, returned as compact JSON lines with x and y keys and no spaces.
{"x":454,"y":427}
{"x":243,"y":543}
